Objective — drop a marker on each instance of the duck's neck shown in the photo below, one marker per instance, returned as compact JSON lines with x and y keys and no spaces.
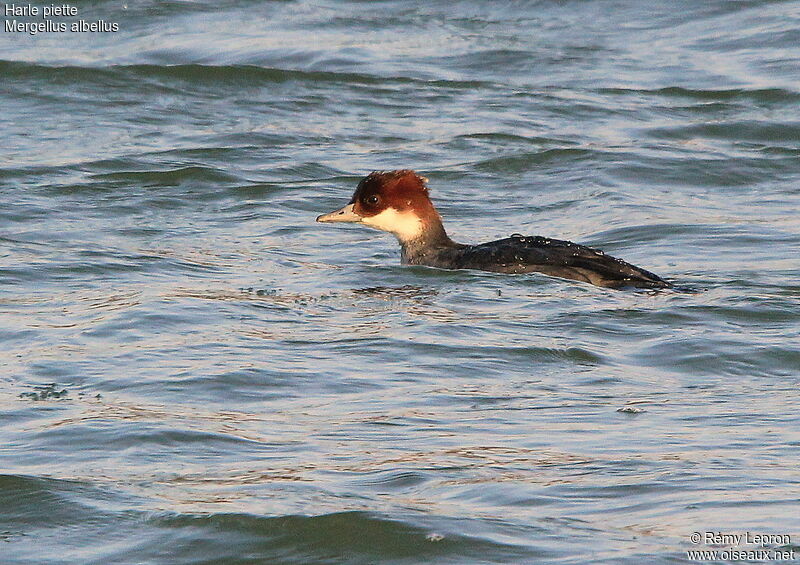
{"x":431,"y":239}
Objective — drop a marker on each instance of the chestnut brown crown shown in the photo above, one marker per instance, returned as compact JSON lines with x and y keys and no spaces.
{"x":403,"y":190}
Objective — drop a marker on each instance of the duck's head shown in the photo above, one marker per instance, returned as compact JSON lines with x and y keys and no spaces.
{"x":392,"y":201}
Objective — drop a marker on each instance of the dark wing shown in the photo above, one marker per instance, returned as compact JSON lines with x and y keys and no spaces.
{"x":519,"y":254}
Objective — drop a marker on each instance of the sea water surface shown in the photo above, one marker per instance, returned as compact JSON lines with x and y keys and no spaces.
{"x":193,"y":371}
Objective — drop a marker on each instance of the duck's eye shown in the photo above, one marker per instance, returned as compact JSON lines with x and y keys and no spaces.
{"x":372,"y":199}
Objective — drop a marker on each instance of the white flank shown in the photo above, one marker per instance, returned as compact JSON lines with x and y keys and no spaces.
{"x":405,"y":225}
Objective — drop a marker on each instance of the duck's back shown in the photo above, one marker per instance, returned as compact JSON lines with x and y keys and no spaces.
{"x":558,"y":258}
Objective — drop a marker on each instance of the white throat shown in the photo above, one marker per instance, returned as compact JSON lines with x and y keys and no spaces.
{"x":405,"y":225}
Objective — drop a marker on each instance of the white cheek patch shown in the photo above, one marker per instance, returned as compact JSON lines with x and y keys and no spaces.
{"x":405,"y":225}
